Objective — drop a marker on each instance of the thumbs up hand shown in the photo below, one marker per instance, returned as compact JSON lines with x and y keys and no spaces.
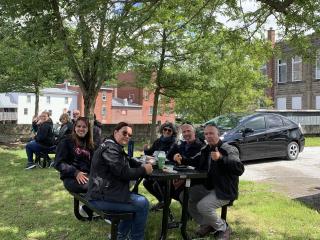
{"x":215,"y":155}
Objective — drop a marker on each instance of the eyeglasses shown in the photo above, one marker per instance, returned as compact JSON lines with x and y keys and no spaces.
{"x":126,"y":134}
{"x":169,"y":130}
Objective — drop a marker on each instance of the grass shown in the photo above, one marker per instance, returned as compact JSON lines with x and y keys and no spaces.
{"x":312,"y":142}
{"x":35,"y":206}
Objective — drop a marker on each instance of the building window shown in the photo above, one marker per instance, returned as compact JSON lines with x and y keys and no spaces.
{"x":104,"y":111}
{"x":296,"y":69}
{"x":282,"y":71}
{"x":296,"y":103}
{"x":25,"y":111}
{"x":318,"y":102}
{"x":66,"y":100}
{"x":281,"y":103}
{"x":48,"y":99}
{"x":150,"y":110}
{"x":145,"y":95}
{"x":123,"y":112}
{"x":318,"y":65}
{"x":28,"y":99}
{"x":104,"y":97}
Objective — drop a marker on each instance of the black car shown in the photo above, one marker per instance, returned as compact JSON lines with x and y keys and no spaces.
{"x":260,"y":135}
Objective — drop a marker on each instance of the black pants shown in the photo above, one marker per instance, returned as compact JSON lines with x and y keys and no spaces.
{"x":157,"y":188}
{"x":72,"y":185}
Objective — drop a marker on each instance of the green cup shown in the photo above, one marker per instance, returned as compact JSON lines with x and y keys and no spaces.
{"x":161,"y":159}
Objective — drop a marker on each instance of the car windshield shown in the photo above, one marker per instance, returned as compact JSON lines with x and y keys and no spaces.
{"x":226,"y":122}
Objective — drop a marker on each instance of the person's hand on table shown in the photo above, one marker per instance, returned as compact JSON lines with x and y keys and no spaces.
{"x":82,"y":178}
{"x":148,"y":168}
{"x":177,"y":158}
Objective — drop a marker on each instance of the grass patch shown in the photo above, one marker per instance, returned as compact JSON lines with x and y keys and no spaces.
{"x":34,"y":205}
{"x":312,"y":142}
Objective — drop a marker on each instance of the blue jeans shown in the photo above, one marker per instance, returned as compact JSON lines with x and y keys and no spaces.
{"x":33,"y":147}
{"x":134,"y":229}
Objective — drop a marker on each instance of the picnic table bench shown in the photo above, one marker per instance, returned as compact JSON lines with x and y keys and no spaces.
{"x":112,"y":216}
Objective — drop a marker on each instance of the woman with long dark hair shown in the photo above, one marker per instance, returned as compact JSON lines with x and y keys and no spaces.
{"x":73,"y":157}
{"x":111,"y":172}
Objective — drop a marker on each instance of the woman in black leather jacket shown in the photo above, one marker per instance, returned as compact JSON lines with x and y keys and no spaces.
{"x":111,"y":172}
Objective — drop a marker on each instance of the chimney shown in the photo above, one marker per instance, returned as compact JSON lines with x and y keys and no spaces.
{"x":272,"y":36}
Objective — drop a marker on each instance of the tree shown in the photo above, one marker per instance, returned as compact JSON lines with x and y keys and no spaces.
{"x":27,"y":66}
{"x":164,"y":49}
{"x":229,"y":78}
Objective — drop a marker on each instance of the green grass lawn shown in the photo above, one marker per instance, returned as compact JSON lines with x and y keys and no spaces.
{"x":312,"y":142}
{"x":34,"y":205}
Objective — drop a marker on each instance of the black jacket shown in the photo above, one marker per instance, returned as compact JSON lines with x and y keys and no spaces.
{"x":97,"y":133}
{"x":161,"y":144}
{"x":45,"y":134}
{"x":71,"y":159}
{"x":223,"y":175}
{"x":65,"y":130}
{"x":185,"y":150}
{"x":111,"y":172}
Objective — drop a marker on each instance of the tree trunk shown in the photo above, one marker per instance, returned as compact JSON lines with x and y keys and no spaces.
{"x":153,"y":135}
{"x":36,"y":107}
{"x":89,"y":104}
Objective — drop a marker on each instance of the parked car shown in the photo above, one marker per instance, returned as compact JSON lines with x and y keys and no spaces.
{"x":260,"y":135}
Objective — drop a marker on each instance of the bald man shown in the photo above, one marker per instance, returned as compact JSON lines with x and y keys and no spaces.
{"x":224,"y":167}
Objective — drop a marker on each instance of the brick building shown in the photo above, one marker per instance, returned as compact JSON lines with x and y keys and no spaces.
{"x":295,"y":80}
{"x":125,"y":103}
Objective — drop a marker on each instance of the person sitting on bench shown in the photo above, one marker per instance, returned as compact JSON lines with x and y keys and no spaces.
{"x":224,"y":167}
{"x":111,"y":172}
{"x":73,"y":157}
{"x":42,"y":141}
{"x":66,"y":127}
{"x":168,"y":133}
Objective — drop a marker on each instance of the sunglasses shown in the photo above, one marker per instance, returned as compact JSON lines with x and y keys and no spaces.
{"x":169,"y":130}
{"x":126,"y":134}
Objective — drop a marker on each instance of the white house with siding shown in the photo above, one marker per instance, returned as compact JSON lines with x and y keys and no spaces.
{"x":54,"y":100}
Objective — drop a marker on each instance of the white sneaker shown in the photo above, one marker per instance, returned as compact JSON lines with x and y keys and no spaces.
{"x":83,"y":212}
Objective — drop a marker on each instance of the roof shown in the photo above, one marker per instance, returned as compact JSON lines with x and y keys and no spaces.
{"x":119,"y":102}
{"x":6,"y":101}
{"x":57,"y":91}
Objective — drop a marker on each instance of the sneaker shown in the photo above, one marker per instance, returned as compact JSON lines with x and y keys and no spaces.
{"x":220,"y":235}
{"x":30,"y":166}
{"x":157,"y":207}
{"x":204,"y":230}
{"x":82,"y":212}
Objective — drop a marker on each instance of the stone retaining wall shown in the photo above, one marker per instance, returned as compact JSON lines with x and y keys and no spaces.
{"x":22,"y":132}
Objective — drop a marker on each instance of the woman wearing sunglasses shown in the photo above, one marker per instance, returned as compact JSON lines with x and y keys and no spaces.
{"x":167,"y":139}
{"x":164,"y":142}
{"x":111,"y":172}
{"x":73,"y":157}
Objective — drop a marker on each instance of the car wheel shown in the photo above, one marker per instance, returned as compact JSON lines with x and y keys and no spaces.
{"x":292,"y":151}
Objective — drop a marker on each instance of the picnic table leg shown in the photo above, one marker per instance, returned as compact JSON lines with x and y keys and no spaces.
{"x":165,"y":211}
{"x":184,"y":214}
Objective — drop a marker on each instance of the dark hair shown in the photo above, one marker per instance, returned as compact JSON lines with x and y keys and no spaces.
{"x":88,"y":142}
{"x":168,"y":125}
{"x":121,"y":125}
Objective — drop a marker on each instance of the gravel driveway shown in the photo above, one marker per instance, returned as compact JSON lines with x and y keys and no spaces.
{"x":298,"y":179}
